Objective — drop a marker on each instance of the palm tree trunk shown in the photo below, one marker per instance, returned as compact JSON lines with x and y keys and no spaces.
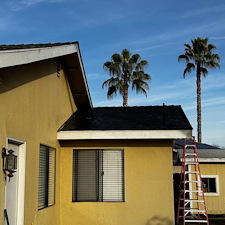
{"x":199,"y":104}
{"x":125,"y":93}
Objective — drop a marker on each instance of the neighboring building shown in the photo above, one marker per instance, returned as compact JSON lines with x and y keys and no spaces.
{"x":110,"y":165}
{"x":212,"y":166}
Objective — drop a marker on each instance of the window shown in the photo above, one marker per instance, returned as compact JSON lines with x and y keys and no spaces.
{"x":98,"y":175}
{"x":46,"y":185}
{"x":210,"y":184}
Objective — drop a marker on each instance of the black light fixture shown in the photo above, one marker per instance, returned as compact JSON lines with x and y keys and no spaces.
{"x":9,"y":162}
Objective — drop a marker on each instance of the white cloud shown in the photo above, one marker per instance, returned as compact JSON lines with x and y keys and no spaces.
{"x":217,"y":38}
{"x":200,"y":11}
{"x":214,"y":101}
{"x":93,"y":76}
{"x":21,"y":4}
{"x":213,"y":81}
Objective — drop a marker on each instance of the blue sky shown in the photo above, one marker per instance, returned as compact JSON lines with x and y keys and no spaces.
{"x":156,"y":29}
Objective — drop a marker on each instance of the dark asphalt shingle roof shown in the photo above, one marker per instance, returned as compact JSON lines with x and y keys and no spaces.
{"x":204,"y":150}
{"x":207,"y":153}
{"x":30,"y":46}
{"x":128,"y":118}
{"x":179,"y":143}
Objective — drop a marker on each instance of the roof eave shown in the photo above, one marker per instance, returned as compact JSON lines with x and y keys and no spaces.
{"x":123,"y":134}
{"x":15,"y":57}
{"x":209,"y":160}
{"x":22,"y":56}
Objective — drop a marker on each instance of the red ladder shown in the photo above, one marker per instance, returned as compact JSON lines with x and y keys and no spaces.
{"x":191,"y":204}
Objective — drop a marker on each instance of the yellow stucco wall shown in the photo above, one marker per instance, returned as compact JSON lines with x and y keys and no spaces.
{"x":34,"y":104}
{"x":148,"y":186}
{"x":215,"y":204}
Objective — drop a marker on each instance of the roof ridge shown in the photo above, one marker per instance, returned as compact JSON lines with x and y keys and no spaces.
{"x":30,"y":46}
{"x":141,"y":106}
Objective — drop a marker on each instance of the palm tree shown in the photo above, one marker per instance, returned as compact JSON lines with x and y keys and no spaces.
{"x":198,"y":56}
{"x":126,"y":70}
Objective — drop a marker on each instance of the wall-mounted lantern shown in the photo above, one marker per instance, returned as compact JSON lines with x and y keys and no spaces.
{"x":9,"y":162}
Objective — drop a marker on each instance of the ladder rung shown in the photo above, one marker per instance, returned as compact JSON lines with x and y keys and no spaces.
{"x":199,"y":191}
{"x":189,"y":146}
{"x":195,"y":210}
{"x":193,"y":200}
{"x":188,"y":208}
{"x":190,"y":181}
{"x":190,"y":217}
{"x":196,"y":221}
{"x":191,"y":172}
{"x":191,"y":163}
{"x":193,"y":154}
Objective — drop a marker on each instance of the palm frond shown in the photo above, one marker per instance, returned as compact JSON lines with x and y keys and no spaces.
{"x":183,"y":58}
{"x":215,"y":57}
{"x":111,"y":92}
{"x":116,"y":58}
{"x":140,"y":86}
{"x":126,"y":54}
{"x":112,"y":68}
{"x":189,"y":68}
{"x":113,"y":81}
{"x":135,"y":59}
{"x":204,"y":71}
{"x":211,"y":47}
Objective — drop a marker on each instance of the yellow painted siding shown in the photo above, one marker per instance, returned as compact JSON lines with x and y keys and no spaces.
{"x":34,"y":104}
{"x":148,"y":185}
{"x":215,"y":204}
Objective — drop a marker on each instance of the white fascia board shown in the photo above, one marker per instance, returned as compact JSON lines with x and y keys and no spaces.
{"x":83,"y":74}
{"x":123,"y":134}
{"x":24,"y":56}
{"x":208,"y":160}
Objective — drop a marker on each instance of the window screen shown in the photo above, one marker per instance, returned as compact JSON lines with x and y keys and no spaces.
{"x":46,"y":184}
{"x":98,"y":175}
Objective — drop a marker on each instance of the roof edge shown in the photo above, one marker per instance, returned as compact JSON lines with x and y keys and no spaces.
{"x":15,"y":55}
{"x":123,"y":134}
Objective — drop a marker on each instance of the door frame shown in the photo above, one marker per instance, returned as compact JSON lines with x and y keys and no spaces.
{"x":21,"y":161}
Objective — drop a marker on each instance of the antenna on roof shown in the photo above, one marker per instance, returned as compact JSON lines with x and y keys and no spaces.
{"x":164,"y":114}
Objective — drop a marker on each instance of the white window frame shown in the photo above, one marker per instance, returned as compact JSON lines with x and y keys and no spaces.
{"x":217,"y":193}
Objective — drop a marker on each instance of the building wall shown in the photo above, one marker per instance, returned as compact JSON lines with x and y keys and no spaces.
{"x":148,"y":186}
{"x":34,"y":104}
{"x":215,"y":204}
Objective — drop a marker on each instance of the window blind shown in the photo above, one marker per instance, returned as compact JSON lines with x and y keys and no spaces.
{"x":98,"y":175}
{"x":51,"y":177}
{"x":43,"y":178}
{"x":46,"y":183}
{"x":113,"y":175}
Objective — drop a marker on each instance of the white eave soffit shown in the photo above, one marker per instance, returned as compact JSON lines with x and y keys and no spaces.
{"x":24,"y":56}
{"x":123,"y":135}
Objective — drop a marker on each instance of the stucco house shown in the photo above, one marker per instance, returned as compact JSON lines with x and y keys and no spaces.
{"x":212,"y":165}
{"x":77,"y":164}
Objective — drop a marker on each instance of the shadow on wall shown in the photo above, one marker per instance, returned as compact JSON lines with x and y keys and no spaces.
{"x":156,"y":220}
{"x":15,"y":76}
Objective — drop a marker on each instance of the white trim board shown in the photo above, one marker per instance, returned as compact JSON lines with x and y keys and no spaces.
{"x":217,"y":193}
{"x":123,"y":134}
{"x":23,"y":56}
{"x":211,"y":160}
{"x":21,"y":178}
